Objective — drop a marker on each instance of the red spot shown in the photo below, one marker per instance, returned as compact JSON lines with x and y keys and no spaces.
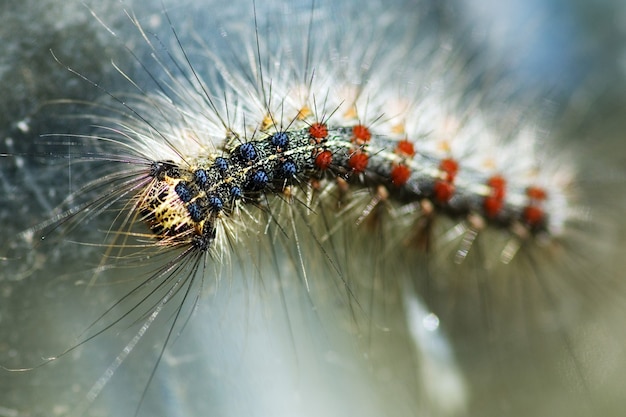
{"x":405,"y":148}
{"x":361,"y":134}
{"x":494,"y":202}
{"x":318,"y":130}
{"x":323,"y":160}
{"x":444,"y":191}
{"x":358,"y":162}
{"x":450,"y":167}
{"x":536,"y":193}
{"x":498,"y":186}
{"x":492,"y":206}
{"x":532,"y":215}
{"x":400,"y":175}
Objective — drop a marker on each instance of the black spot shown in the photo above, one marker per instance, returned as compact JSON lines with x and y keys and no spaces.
{"x":195,"y":212}
{"x":221,"y":164}
{"x":247,"y":152}
{"x":215,"y":203}
{"x":280,"y":140}
{"x":287,"y":169}
{"x":200,"y":177}
{"x":203,"y":242}
{"x":235,"y":192}
{"x":257,"y":180}
{"x":183,"y":192}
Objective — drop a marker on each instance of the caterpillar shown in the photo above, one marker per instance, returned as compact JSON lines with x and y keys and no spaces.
{"x":339,"y":164}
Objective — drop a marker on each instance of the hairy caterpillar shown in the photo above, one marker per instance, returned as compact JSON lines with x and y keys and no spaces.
{"x":371,"y":221}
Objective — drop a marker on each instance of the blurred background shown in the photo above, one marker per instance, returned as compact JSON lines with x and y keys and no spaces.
{"x":259,"y":344}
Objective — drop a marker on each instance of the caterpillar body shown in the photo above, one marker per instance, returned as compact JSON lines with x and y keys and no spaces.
{"x":182,"y":205}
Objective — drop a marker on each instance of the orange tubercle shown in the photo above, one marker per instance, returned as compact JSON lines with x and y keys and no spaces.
{"x":450,"y":167}
{"x":536,"y":193}
{"x":495,"y":201}
{"x":400,"y":175}
{"x":323,"y":160}
{"x":358,"y":162}
{"x":533,"y":215}
{"x":405,"y":148}
{"x":361,"y":134}
{"x":443,"y":191}
{"x":318,"y":130}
